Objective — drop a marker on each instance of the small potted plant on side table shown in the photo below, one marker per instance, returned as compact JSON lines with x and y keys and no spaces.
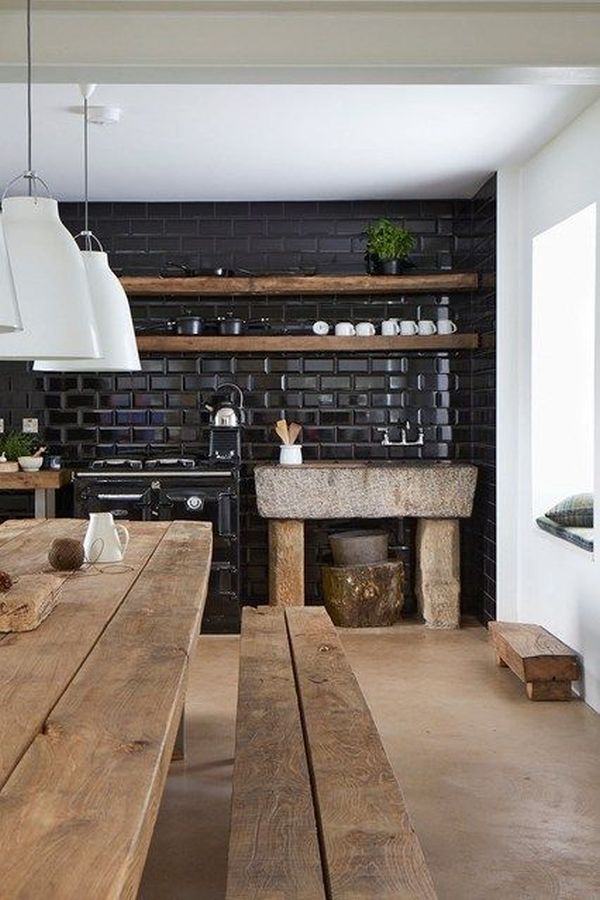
{"x":14,"y":447}
{"x":388,"y":246}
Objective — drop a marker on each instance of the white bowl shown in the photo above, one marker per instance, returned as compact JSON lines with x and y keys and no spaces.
{"x":31,"y":463}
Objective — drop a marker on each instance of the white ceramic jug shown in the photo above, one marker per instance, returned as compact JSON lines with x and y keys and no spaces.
{"x":102,"y":542}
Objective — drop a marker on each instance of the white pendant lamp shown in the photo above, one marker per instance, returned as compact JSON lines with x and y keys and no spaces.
{"x":119,"y":351}
{"x":47,"y":270}
{"x":10,"y":319}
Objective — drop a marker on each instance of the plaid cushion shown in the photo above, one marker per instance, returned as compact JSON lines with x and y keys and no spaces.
{"x":575,"y":511}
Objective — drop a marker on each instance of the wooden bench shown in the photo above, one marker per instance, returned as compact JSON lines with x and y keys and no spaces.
{"x":90,"y":703}
{"x":541,"y":661}
{"x":316,"y":810}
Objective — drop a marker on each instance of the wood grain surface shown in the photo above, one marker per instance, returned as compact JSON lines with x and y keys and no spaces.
{"x":49,"y":479}
{"x":534,"y":654}
{"x":77,"y":813}
{"x":302,"y":284}
{"x":273,"y":850}
{"x":286,"y":562}
{"x":370,"y":847}
{"x":297,"y":343}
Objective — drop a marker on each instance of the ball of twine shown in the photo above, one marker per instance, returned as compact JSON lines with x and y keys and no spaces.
{"x":66,"y":554}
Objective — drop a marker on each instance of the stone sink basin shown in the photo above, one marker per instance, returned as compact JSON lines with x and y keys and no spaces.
{"x":369,"y":489}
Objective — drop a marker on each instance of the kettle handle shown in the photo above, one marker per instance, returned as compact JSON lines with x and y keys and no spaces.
{"x":125,"y":531}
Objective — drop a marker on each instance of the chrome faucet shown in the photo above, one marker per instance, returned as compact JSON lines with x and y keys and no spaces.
{"x":404,"y":439}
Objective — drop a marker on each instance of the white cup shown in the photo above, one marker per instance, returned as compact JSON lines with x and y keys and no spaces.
{"x":365,"y":329}
{"x":427,"y":326}
{"x":290,"y":455}
{"x":321,"y":328}
{"x":407,"y":326}
{"x":345,"y":329}
{"x":446,"y":326}
{"x":389,"y":327}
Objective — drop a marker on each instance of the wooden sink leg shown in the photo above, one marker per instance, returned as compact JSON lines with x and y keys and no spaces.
{"x":286,"y":562}
{"x":438,"y":572}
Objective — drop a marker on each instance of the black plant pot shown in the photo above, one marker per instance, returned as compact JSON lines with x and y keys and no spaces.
{"x":391,"y":266}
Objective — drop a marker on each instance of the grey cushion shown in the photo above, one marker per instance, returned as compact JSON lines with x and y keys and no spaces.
{"x":576,"y":510}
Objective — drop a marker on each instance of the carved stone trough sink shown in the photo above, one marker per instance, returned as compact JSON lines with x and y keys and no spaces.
{"x":438,"y":494}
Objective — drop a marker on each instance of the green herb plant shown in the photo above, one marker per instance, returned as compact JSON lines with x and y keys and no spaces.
{"x":385,"y":240}
{"x":16,"y":444}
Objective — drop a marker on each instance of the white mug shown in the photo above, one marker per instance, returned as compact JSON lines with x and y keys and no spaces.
{"x":365,"y":329}
{"x":446,"y":326}
{"x":290,"y":455}
{"x":390,"y":327}
{"x":345,"y":329}
{"x":321,"y":328}
{"x":427,"y":326}
{"x":407,"y":326}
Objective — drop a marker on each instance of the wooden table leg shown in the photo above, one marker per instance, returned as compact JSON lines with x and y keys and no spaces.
{"x":286,"y":562}
{"x":438,"y":572}
{"x":43,"y":503}
{"x":179,"y":748}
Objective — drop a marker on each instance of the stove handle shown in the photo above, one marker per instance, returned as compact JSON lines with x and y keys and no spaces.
{"x":224,"y":514}
{"x":120,"y":496}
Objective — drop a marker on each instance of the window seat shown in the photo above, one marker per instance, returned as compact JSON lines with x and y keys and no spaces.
{"x":580,"y":537}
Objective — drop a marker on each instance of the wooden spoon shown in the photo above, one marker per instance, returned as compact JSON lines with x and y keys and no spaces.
{"x":282,"y":431}
{"x":294,"y":432}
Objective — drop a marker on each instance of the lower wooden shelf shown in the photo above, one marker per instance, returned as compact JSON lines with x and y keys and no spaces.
{"x":150,"y":343}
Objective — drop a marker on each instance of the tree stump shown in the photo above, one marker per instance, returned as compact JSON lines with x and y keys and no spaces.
{"x":364,"y":596}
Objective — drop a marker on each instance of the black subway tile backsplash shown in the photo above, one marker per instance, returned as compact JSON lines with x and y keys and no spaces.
{"x":340,"y":399}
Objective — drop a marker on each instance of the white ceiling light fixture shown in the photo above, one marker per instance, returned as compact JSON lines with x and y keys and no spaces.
{"x":47,"y":271}
{"x":118,"y":345}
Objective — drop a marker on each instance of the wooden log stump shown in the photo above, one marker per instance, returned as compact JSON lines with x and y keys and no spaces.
{"x":364,"y":596}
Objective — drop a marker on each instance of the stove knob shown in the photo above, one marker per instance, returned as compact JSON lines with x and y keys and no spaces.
{"x":194,"y":503}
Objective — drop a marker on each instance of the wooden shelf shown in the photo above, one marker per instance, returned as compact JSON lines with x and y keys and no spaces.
{"x":46,"y":479}
{"x":288,"y":344}
{"x":439,"y":282}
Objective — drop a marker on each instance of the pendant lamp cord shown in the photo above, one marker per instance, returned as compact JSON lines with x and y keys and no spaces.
{"x":86,"y":210}
{"x":29,"y":116}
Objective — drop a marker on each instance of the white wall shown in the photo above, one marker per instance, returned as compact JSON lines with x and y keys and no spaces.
{"x":542,"y":579}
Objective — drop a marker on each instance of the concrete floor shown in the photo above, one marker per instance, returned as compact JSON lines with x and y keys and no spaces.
{"x":504,"y":793}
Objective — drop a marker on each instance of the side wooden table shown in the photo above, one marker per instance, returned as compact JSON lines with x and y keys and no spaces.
{"x":44,"y":485}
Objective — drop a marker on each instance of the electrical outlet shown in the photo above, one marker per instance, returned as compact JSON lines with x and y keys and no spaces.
{"x":30,"y":426}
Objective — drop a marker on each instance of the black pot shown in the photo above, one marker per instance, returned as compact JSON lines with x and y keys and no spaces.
{"x":391,"y":266}
{"x":230,"y":326}
{"x":187,"y":325}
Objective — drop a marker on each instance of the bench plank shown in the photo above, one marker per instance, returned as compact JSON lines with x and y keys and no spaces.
{"x":369,"y":845}
{"x":35,"y":668}
{"x":274,"y":850}
{"x":77,"y":814}
{"x":532,"y":653}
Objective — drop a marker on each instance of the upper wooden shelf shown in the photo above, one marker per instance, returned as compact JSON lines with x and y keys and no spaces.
{"x":303,"y":284}
{"x":150,"y":343}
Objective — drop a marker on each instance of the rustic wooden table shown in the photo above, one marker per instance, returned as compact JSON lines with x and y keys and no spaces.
{"x":90,"y":705}
{"x":44,"y":485}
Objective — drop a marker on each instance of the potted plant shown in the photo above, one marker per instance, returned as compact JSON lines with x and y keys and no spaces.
{"x":388,"y":246}
{"x":13,"y":446}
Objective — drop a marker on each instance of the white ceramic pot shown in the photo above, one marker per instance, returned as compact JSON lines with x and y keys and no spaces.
{"x":290,"y":455}
{"x":103,"y":542}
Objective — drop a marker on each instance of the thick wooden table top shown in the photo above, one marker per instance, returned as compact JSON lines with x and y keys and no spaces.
{"x":47,"y":479}
{"x":89,"y":708}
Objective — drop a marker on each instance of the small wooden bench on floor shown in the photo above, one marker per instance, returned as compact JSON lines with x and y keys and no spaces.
{"x":317,"y":812}
{"x":541,"y":661}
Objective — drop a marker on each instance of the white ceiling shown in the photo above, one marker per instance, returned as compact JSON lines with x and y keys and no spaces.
{"x":263,"y":142}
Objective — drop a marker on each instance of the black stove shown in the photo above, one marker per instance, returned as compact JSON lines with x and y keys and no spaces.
{"x":164,"y":488}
